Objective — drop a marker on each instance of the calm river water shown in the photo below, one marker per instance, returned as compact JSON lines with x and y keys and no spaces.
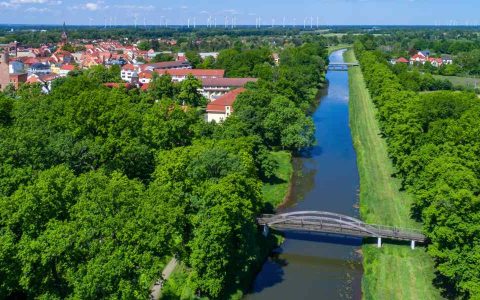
{"x":314,"y":266}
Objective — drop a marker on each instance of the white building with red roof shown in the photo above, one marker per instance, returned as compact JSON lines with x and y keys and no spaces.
{"x":220,"y":109}
{"x":213,"y":88}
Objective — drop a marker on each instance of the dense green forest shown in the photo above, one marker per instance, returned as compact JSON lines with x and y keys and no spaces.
{"x":433,"y":141}
{"x":100,"y":187}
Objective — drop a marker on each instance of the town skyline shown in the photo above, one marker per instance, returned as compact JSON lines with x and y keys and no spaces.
{"x":248,"y":12}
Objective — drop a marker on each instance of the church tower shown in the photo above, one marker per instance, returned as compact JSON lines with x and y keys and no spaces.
{"x":64,"y":35}
{"x":4,"y":72}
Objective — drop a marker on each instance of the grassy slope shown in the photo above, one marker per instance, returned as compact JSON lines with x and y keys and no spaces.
{"x":394,"y":271}
{"x":274,"y":193}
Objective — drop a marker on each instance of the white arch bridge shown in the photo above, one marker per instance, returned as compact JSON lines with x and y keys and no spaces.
{"x":327,"y":222}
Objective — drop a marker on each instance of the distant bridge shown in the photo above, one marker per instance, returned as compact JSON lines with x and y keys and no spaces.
{"x":341,"y":66}
{"x":327,"y":222}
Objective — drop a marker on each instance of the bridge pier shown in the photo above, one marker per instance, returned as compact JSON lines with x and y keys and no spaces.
{"x":265,"y":230}
{"x":412,"y":245}
{"x":379,"y":242}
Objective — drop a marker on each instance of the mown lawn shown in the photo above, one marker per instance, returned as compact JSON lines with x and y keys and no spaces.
{"x":393,"y":271}
{"x":275,"y":191}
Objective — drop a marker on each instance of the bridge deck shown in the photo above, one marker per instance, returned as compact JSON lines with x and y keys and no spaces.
{"x":325,"y":222}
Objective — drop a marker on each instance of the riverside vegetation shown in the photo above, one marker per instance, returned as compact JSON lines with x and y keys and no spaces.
{"x":433,"y":142}
{"x":99,"y":187}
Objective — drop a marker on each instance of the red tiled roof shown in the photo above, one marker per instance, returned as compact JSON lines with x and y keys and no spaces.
{"x":227,"y":82}
{"x":194,"y":72}
{"x":128,"y":67}
{"x":168,"y":64}
{"x":226,"y":100}
{"x":145,"y":87}
{"x":68,"y":67}
{"x":402,"y":60}
{"x":145,"y":74}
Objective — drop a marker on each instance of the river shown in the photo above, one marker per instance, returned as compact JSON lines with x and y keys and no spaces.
{"x":315,"y":266}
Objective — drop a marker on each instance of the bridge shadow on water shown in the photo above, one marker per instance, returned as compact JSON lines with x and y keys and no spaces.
{"x":323,"y":238}
{"x":273,"y":269}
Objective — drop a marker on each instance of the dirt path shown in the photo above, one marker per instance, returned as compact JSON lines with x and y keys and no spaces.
{"x":167,"y":271}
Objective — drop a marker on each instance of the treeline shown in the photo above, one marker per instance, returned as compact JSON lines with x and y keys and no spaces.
{"x":434,"y":144}
{"x":100,"y":187}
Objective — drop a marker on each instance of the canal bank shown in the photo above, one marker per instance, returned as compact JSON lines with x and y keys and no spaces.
{"x":309,"y":266}
{"x":393,"y":271}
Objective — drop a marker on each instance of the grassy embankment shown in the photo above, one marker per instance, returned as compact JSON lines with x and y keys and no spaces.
{"x":274,"y":192}
{"x":393,"y":271}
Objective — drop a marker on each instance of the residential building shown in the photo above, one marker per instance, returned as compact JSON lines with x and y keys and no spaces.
{"x":39,"y":69}
{"x":213,"y":88}
{"x":220,"y":109}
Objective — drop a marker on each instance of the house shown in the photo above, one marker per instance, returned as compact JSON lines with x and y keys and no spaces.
{"x":127,"y":72}
{"x":45,"y":80}
{"x":7,"y":77}
{"x":402,"y":60}
{"x":447,"y":59}
{"x":418,"y":59}
{"x":65,"y":69}
{"x":145,"y":76}
{"x":276,"y":58}
{"x":436,"y":62}
{"x":220,"y":109}
{"x":213,"y":88}
{"x":17,"y":78}
{"x":204,"y":55}
{"x":39,"y":68}
{"x":16,"y":66}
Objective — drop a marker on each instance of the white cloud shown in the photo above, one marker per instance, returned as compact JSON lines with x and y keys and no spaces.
{"x":134,"y":7}
{"x":91,"y":6}
{"x":37,"y":10}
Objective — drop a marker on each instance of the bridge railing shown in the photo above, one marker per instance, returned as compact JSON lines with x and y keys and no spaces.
{"x":325,"y":220}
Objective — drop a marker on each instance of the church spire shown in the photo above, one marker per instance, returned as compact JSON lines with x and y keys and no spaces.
{"x":64,"y":34}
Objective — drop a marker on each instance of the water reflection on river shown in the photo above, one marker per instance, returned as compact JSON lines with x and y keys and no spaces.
{"x":313,"y":266}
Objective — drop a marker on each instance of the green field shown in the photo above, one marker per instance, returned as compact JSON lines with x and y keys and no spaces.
{"x":468,"y":82}
{"x":275,"y":191}
{"x":393,"y":271}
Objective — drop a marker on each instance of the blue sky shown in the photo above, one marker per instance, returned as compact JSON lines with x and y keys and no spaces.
{"x":329,"y":12}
